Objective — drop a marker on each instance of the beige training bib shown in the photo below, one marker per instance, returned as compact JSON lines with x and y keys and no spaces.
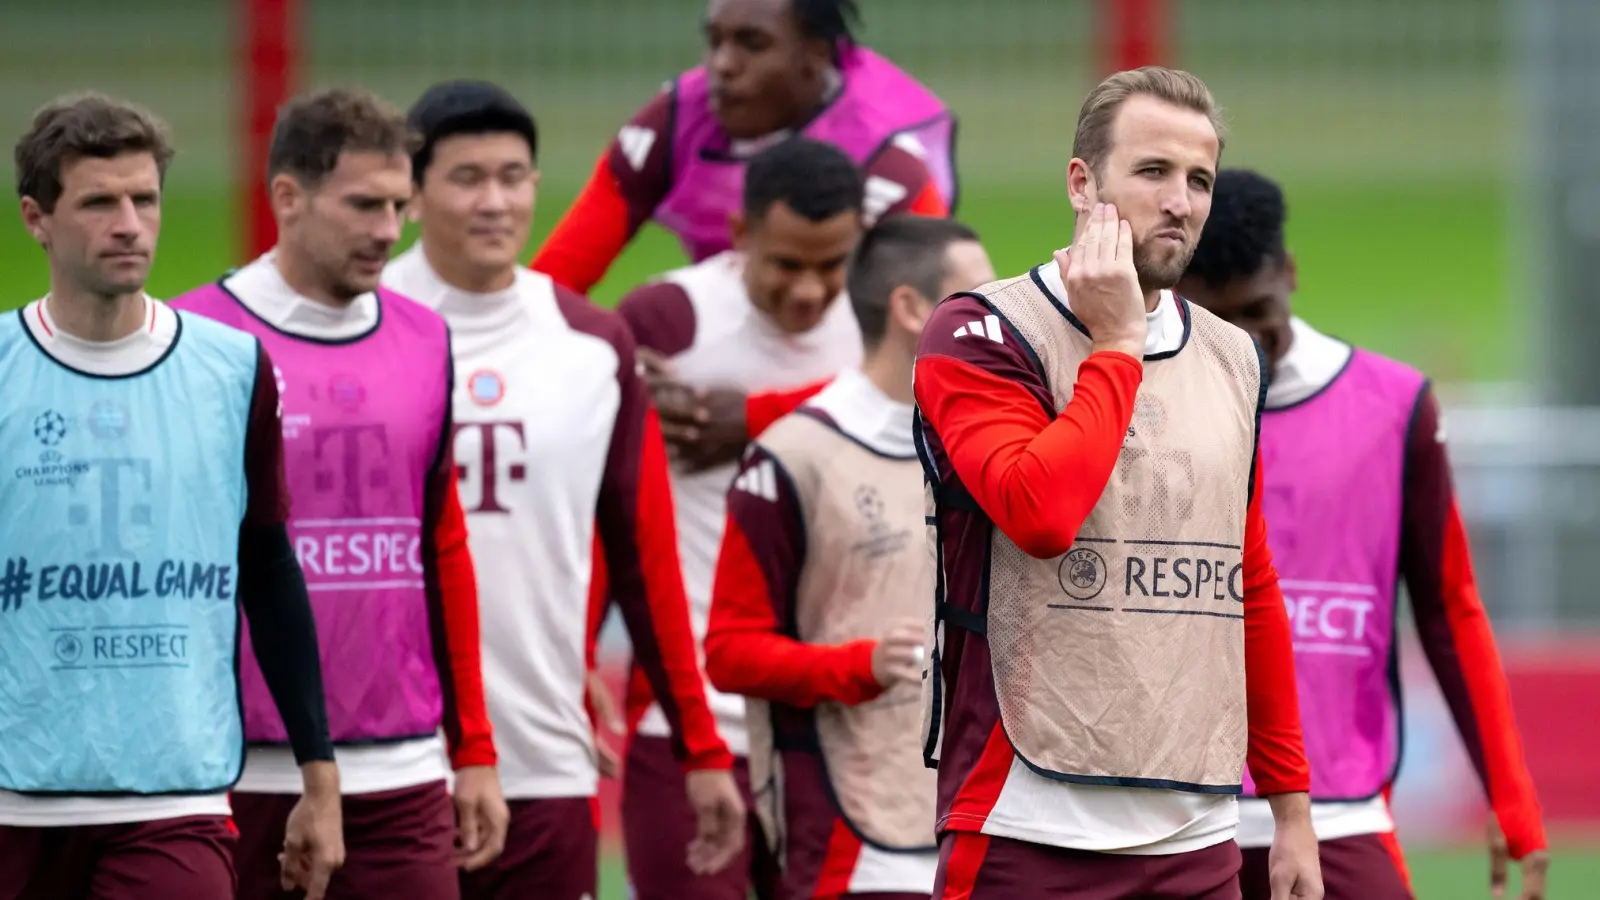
{"x":866,"y":566}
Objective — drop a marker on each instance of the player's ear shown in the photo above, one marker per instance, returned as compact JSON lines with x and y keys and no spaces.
{"x":738,"y":228}
{"x":1293,"y":272}
{"x":1080,"y":186}
{"x":33,"y":216}
{"x":909,"y":310}
{"x":286,"y":194}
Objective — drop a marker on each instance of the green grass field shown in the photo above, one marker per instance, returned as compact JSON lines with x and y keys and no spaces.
{"x":1435,"y":875}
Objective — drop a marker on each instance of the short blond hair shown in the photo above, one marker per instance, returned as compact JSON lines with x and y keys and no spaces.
{"x":1092,"y":142}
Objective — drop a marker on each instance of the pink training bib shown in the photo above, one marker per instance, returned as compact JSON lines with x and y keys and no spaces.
{"x":363,"y":426}
{"x":1333,"y":470}
{"x":878,"y":103}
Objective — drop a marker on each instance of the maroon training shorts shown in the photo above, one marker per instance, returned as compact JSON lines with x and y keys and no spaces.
{"x":980,"y":867}
{"x":169,"y":859}
{"x":658,"y":825}
{"x":398,"y":843}
{"x":552,"y":853}
{"x":1363,"y":867}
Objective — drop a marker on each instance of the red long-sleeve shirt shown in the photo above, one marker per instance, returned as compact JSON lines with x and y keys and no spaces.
{"x":457,"y":645}
{"x":747,"y":651}
{"x":1036,"y":477}
{"x":1454,"y":630}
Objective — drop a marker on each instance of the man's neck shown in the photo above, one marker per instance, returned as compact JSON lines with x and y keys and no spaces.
{"x":95,"y":317}
{"x":888,"y":366}
{"x":301,"y":277}
{"x":464,"y":277}
{"x":1152,"y":299}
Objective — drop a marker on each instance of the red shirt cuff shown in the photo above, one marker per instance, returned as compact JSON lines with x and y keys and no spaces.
{"x":474,"y":751}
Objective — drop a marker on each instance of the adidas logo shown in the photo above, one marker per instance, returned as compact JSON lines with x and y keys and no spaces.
{"x":909,"y":142}
{"x":881,"y":194}
{"x":989,"y":328}
{"x":761,"y":481}
{"x":636,"y":143}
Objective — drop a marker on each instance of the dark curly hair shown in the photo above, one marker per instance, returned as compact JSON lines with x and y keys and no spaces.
{"x":1245,"y":229}
{"x":831,"y":21}
{"x":814,"y":179}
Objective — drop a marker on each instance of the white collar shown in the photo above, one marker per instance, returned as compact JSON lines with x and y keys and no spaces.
{"x":1312,"y":361}
{"x":1165,"y":325}
{"x":261,"y":288}
{"x":412,"y":276}
{"x":124,"y":356}
{"x":866,"y":414}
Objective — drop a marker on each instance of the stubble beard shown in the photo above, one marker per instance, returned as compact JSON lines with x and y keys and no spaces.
{"x":1160,"y":274}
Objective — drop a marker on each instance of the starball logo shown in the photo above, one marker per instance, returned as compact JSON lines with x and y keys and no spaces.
{"x":53,"y":468}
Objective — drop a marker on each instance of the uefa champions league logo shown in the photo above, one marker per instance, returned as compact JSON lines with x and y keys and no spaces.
{"x":50,"y":428}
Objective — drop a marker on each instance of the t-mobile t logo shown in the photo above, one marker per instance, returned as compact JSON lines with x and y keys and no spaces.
{"x":122,"y":503}
{"x":347,"y":463}
{"x":476,"y":459}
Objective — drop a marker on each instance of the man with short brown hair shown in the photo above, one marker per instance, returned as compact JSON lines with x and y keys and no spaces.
{"x":147,"y":511}
{"x":1111,"y":645}
{"x":367,"y":376}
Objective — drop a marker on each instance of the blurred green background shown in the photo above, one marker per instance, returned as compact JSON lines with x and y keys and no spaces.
{"x":1394,"y":127}
{"x":1390,"y":124}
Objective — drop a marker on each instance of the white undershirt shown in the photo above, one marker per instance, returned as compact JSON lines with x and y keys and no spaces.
{"x":124,"y":356}
{"x":1312,"y":361}
{"x":363,"y":769}
{"x":1165,"y":326}
{"x":866,"y":413}
{"x":1310,"y":364}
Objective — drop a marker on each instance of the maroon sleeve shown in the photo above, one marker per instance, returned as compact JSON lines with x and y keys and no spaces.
{"x":660,"y":316}
{"x":640,"y":158}
{"x":635,"y":523}
{"x":763,"y":505}
{"x":898,"y":182}
{"x":1455,"y":632}
{"x":268,"y":492}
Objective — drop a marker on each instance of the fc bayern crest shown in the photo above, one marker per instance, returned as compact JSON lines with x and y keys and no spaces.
{"x":108,"y":419}
{"x":1082,"y":573}
{"x":347,"y":392}
{"x":486,"y":387}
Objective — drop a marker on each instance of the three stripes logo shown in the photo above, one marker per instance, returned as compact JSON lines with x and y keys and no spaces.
{"x":989,"y":328}
{"x":761,"y":481}
{"x":881,"y":195}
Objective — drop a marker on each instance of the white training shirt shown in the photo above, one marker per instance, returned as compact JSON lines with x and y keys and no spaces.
{"x":718,"y":339}
{"x":536,"y":401}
